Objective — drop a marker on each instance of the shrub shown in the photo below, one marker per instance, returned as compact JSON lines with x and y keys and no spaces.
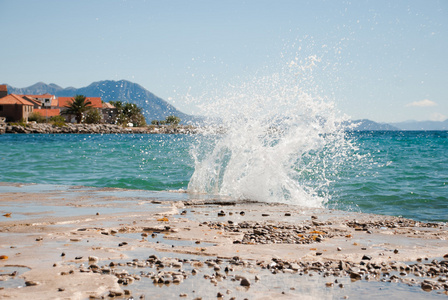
{"x":58,"y":121}
{"x":35,"y":116}
{"x":93,"y":116}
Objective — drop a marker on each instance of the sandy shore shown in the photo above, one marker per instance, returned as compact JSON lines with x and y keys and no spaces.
{"x":62,"y":242}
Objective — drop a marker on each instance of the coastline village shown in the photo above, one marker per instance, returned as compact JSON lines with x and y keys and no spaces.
{"x":17,"y":108}
{"x":49,"y":114}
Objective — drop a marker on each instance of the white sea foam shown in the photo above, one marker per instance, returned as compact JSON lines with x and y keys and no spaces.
{"x":278,"y":139}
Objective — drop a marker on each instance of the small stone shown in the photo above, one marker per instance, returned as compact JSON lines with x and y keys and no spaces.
{"x":295,"y":267}
{"x":242,"y":213}
{"x":287,"y":214}
{"x":329,"y":284}
{"x":219,"y":295}
{"x":78,"y":257}
{"x":93,"y":259}
{"x":115,"y":293}
{"x":339,"y":249}
{"x":221,"y":213}
{"x":63,"y":254}
{"x":355,"y":276}
{"x":245,"y":282}
{"x":366,"y":257}
{"x":31,"y":283}
{"x":183,"y":295}
{"x":426,"y":287}
{"x":61,"y":289}
{"x":314,"y":217}
{"x":265,"y":215}
{"x":396,"y":251}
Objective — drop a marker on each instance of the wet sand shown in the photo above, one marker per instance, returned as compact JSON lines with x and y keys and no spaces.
{"x":60,"y":242}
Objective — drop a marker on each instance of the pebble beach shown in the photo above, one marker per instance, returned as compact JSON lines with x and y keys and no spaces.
{"x":62,"y":242}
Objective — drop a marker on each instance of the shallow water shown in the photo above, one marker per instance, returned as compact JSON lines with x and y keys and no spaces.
{"x":394,"y":173}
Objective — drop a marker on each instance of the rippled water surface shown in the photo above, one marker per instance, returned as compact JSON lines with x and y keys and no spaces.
{"x":394,"y":173}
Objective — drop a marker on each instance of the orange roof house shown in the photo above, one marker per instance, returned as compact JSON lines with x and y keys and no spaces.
{"x":15,"y":108}
{"x":66,"y":101}
{"x":47,"y":100}
{"x":16,"y":99}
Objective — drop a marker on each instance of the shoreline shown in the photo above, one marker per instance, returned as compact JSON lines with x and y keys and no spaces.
{"x":82,"y":242}
{"x":44,"y":128}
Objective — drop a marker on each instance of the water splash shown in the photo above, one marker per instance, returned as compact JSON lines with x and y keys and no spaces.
{"x":277,"y":140}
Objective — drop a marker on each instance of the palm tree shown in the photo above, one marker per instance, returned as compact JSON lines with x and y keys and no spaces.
{"x":77,"y":108}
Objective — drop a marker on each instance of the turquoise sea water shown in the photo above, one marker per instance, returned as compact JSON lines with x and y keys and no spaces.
{"x":398,"y":173}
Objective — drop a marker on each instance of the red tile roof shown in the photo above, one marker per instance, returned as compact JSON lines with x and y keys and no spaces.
{"x":32,"y":100}
{"x":65,"y":101}
{"x":3,"y":88}
{"x":15,"y":99}
{"x":47,"y":112}
{"x":96,"y":102}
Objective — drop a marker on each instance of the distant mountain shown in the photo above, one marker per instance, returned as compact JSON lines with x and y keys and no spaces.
{"x":39,"y":88}
{"x":154,"y":108}
{"x":422,"y":125}
{"x":369,"y":125}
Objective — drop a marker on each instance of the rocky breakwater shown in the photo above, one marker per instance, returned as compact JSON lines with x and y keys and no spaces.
{"x":92,"y":129}
{"x":69,"y":128}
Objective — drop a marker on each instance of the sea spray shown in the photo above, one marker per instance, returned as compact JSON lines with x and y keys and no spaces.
{"x":272,"y":139}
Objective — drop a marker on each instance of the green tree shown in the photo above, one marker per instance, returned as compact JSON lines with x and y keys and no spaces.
{"x":128,"y":113}
{"x":78,"y":107}
{"x":172,"y":120}
{"x":93,"y":116}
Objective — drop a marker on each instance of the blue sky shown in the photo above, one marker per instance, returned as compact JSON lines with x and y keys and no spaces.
{"x":382,"y":60}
